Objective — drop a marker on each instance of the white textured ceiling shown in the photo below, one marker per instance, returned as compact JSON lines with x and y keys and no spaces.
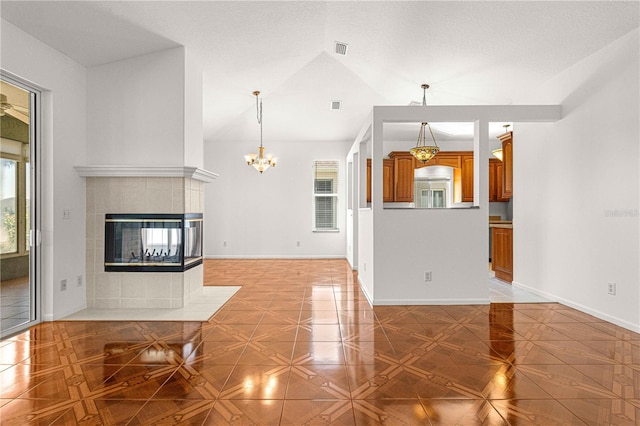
{"x":472,"y":52}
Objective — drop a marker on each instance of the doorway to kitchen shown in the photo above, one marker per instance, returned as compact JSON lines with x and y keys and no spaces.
{"x":19,"y":236}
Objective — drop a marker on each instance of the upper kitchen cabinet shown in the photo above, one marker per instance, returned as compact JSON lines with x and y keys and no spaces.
{"x":403,"y":166}
{"x":467,"y":177}
{"x":507,"y":164}
{"x":387,"y":180}
{"x":443,"y":158}
{"x":496,"y":192}
{"x":492,"y":179}
{"x":398,"y":176}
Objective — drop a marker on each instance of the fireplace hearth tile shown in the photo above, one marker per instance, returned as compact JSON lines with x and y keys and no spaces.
{"x":205,"y":303}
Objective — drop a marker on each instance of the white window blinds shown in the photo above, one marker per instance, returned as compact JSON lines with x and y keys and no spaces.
{"x":325,"y":192}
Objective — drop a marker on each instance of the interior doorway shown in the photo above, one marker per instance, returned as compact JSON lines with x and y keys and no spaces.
{"x":19,"y":239}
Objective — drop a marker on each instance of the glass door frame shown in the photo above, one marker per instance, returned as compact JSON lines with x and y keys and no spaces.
{"x":34,"y":238}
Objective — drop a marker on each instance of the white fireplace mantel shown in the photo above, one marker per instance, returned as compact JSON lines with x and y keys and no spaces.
{"x":147,"y":171}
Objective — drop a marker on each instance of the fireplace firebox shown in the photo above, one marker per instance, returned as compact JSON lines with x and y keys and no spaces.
{"x":152,"y":242}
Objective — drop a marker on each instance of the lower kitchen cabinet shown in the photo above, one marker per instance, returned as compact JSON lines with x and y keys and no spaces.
{"x":502,"y":253}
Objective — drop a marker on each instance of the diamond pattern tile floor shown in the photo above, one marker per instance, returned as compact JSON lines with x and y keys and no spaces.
{"x":299,"y":344}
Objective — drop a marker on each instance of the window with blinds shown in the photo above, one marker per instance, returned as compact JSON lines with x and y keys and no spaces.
{"x":325,"y":192}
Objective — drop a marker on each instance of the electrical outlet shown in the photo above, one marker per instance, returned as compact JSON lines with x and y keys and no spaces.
{"x":427,"y":276}
{"x":63,"y":285}
{"x":298,"y":243}
{"x":364,"y":266}
{"x":66,"y":213}
{"x":224,"y":244}
{"x":79,"y":280}
{"x":611,"y":289}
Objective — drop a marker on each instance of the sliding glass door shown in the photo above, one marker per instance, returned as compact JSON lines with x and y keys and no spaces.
{"x":19,"y":295}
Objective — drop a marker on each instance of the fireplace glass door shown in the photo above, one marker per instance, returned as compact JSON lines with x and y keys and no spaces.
{"x":152,"y":242}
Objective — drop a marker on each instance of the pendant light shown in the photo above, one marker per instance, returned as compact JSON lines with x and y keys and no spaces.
{"x":422,"y":151}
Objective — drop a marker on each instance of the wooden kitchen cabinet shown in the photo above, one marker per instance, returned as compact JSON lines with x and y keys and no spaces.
{"x":403,"y":167}
{"x":502,"y":253}
{"x":443,"y":158}
{"x":466,"y":162}
{"x":398,"y":176}
{"x":492,"y":180}
{"x":500,"y":196}
{"x":496,"y":192}
{"x":507,"y":164}
{"x":368,"y":180}
{"x":387,"y":180}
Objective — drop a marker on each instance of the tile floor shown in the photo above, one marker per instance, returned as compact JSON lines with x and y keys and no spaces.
{"x":298,"y":344}
{"x":502,"y":292}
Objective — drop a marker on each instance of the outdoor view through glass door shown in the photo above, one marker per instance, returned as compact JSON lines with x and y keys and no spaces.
{"x":18,"y":295}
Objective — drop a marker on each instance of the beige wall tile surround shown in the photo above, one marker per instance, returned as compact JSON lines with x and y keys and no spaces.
{"x":133,"y":303}
{"x":131,"y":287}
{"x":111,"y":290}
{"x":159,"y":304}
{"x":193,"y":279}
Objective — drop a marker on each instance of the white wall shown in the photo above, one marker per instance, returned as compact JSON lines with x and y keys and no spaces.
{"x":576,"y":188}
{"x":266,"y":215}
{"x":63,"y":136}
{"x":193,"y":138}
{"x":136,"y":111}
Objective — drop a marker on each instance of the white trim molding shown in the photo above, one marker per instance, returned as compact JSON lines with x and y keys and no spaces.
{"x":408,"y":302}
{"x":147,"y":171}
{"x":596,"y":313}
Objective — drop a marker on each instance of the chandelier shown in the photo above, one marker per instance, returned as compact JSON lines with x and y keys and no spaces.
{"x":260,"y":162}
{"x":422,"y":151}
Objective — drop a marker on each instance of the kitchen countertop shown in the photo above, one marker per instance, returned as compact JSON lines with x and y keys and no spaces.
{"x":507,"y":224}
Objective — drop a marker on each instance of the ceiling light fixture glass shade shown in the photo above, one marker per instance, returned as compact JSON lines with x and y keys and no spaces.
{"x":259,"y":161}
{"x":423,"y":152}
{"x":498,"y":151}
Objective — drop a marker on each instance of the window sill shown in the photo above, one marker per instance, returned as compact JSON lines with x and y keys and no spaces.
{"x":12,"y":255}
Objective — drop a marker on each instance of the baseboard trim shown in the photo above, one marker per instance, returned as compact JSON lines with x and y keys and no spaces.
{"x":601,"y":315}
{"x":66,"y":312}
{"x":404,"y":302}
{"x":364,"y":291}
{"x":273,"y":256}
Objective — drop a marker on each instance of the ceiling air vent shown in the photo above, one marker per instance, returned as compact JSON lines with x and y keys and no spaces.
{"x":341,"y":48}
{"x":336,"y":105}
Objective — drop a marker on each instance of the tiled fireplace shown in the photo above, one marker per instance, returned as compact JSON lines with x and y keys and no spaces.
{"x":109,"y":195}
{"x":152,"y":242}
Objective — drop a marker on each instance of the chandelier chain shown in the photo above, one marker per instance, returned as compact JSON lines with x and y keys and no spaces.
{"x":259,"y":115}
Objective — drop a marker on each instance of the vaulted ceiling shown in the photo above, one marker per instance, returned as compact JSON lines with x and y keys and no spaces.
{"x":471,"y":52}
